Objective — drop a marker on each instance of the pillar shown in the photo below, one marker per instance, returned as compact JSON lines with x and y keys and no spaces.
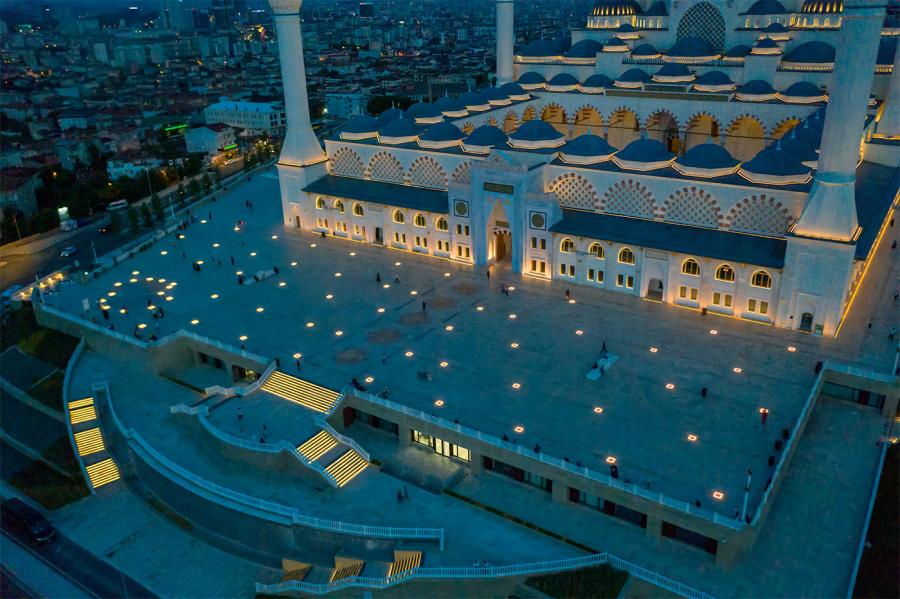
{"x":889,"y":125}
{"x":830,"y":212}
{"x":505,"y":35}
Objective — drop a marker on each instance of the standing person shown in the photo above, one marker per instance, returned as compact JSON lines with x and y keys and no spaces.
{"x":396,"y":279}
{"x":568,"y":295}
{"x":764,"y":415}
{"x":424,"y":305}
{"x":489,"y":274}
{"x":240,"y":419}
{"x":377,"y":277}
{"x":298,"y":364}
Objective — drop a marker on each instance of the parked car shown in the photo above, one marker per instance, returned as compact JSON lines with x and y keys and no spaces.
{"x":17,"y":514}
{"x":68,"y":251}
{"x":104,"y":228}
{"x":117,"y":205}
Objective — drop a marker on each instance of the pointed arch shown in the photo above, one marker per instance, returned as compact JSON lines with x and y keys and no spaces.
{"x":663,"y":127}
{"x":702,"y":126}
{"x":629,"y":197}
{"x":746,"y":137}
{"x":426,"y":172}
{"x":759,"y":214}
{"x":347,"y":163}
{"x":692,"y":206}
{"x":574,"y":191}
{"x":385,"y":167}
{"x":462,"y":174}
{"x":784,"y":126}
{"x":555,"y":114}
{"x":587,"y":117}
{"x":623,"y":127}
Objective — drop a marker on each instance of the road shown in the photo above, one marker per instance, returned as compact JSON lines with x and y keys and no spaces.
{"x":80,"y":567}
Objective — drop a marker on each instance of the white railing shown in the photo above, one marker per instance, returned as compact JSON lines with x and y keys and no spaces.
{"x":343,"y":438}
{"x":268,"y":509}
{"x":66,"y":398}
{"x":238,"y":390}
{"x":555,"y":462}
{"x":485,"y":573}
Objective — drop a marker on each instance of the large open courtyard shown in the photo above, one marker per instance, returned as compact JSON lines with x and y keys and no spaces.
{"x":441,"y":337}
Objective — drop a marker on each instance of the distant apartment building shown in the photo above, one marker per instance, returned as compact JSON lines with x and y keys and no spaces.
{"x":77,"y":118}
{"x":343,"y":105}
{"x":210,"y":139}
{"x":117,"y":169}
{"x":17,"y":187}
{"x":259,"y":116}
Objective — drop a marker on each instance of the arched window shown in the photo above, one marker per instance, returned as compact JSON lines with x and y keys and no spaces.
{"x":442,"y":225}
{"x":597,"y":251}
{"x":339,"y":206}
{"x":320,"y":204}
{"x":420,"y":220}
{"x":725,"y":273}
{"x":626,"y":256}
{"x":358,"y":210}
{"x":690,"y":267}
{"x":761,"y":279}
{"x":398,"y":217}
{"x":567,"y":246}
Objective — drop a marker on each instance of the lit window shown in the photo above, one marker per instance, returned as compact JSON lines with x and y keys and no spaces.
{"x":725,"y":273}
{"x":567,"y":246}
{"x":358,"y":210}
{"x":320,"y":203}
{"x":442,"y":224}
{"x":626,"y":256}
{"x":398,"y":217}
{"x":761,"y":279}
{"x":690,"y":267}
{"x":339,"y":206}
{"x":420,"y":220}
{"x":596,"y":250}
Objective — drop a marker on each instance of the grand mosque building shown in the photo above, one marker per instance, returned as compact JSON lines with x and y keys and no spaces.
{"x":721,"y":156}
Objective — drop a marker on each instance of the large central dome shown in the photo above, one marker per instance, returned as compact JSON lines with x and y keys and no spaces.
{"x":822,"y":7}
{"x":615,"y":8}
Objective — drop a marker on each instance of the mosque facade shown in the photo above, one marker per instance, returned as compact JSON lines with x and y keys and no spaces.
{"x":700,"y":154}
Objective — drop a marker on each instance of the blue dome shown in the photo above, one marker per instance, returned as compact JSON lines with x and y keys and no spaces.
{"x":803,"y":89}
{"x":886,"y":50}
{"x":563,"y":79}
{"x":587,"y":145}
{"x":757,"y":87}
{"x":531,"y":78}
{"x":512,"y":89}
{"x":634,"y":76}
{"x":598,"y":80}
{"x":645,"y":150}
{"x":767,"y":7}
{"x":709,"y":156}
{"x":798,"y":148}
{"x":616,"y":42}
{"x":657,"y":10}
{"x":691,"y":47}
{"x":766,"y":43}
{"x":776,"y":162}
{"x":422,"y":110}
{"x":473,"y":99}
{"x":739,"y":51}
{"x":400,"y":128}
{"x":776,"y":27}
{"x":809,"y":133}
{"x":626,"y":28}
{"x":361,"y":124}
{"x":811,"y":53}
{"x":584,"y":49}
{"x":674,"y":69}
{"x":492,"y":94}
{"x":535,"y":131}
{"x":442,"y":132}
{"x":613,"y":8}
{"x":644,"y":50}
{"x":449,"y":104}
{"x":389,"y":115}
{"x":544,"y":48}
{"x":713,"y":78}
{"x":486,"y":135}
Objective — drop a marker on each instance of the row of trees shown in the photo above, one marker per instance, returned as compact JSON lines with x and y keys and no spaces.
{"x":155,"y":211}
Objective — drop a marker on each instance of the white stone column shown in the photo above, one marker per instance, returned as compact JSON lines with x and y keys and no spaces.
{"x":830,"y":212}
{"x":301,"y":147}
{"x":889,"y":125}
{"x":505,"y":36}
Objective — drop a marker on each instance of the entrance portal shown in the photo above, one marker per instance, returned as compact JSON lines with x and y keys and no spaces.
{"x":806,"y":322}
{"x":502,"y":245}
{"x":379,"y":236}
{"x":297,"y":221}
{"x":655,"y":290}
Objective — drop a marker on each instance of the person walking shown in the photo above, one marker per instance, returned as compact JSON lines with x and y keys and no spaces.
{"x":377,"y":277}
{"x":396,"y":279}
{"x":424,"y":306}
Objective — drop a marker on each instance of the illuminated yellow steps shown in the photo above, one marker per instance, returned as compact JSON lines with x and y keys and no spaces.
{"x":89,"y":441}
{"x":347,"y":467}
{"x":299,"y":391}
{"x":81,"y":403}
{"x":103,"y":472}
{"x":348,"y":570}
{"x":316,"y":446}
{"x":405,"y":560}
{"x":82,"y":415}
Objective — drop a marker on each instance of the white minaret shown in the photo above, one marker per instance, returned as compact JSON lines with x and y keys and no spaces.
{"x":505,"y":35}
{"x":830,"y":212}
{"x":889,"y":125}
{"x":300,"y":148}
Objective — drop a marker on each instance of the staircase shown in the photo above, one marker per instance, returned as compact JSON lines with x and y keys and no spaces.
{"x":346,"y":568}
{"x":317,"y":446}
{"x":347,"y":467}
{"x":82,"y":410}
{"x":404,"y":561}
{"x":308,"y":395}
{"x":89,"y":443}
{"x":102,"y":472}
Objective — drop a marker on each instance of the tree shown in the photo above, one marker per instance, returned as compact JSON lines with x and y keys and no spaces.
{"x":193,"y":187}
{"x":207,"y":182}
{"x":146,"y":216}
{"x":156,"y":203}
{"x":133,"y":221}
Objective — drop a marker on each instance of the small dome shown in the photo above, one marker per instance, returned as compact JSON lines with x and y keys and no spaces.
{"x":442,"y":132}
{"x":739,"y":51}
{"x":615,"y":8}
{"x":399,"y":128}
{"x":811,"y":53}
{"x":562,"y":82}
{"x":495,"y":97}
{"x":658,"y":9}
{"x":587,"y":149}
{"x":632,"y":78}
{"x":776,"y":27}
{"x":645,"y":150}
{"x":766,"y":7}
{"x":423,"y":111}
{"x":776,"y":166}
{"x":535,"y":131}
{"x":766,"y":43}
{"x":713,"y":78}
{"x":707,"y":156}
{"x":615,"y":44}
{"x":449,"y":105}
{"x":822,"y":7}
{"x":803,"y":89}
{"x":486,"y":136}
{"x":475,"y":101}
{"x":514,"y":91}
{"x":799,"y":148}
{"x":756,"y":90}
{"x":692,"y":47}
{"x":626,"y":28}
{"x":389,"y":115}
{"x":887,"y":48}
{"x":644,"y":51}
{"x":361,"y":124}
{"x":597,"y":81}
{"x":810,"y":132}
{"x":673,"y":72}
{"x":545,"y":48}
{"x":585,"y":49}
{"x":531,"y":78}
